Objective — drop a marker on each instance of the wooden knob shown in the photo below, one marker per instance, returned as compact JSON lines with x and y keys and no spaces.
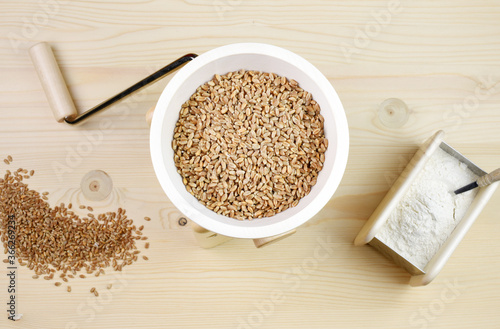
{"x":53,"y":83}
{"x":490,"y":178}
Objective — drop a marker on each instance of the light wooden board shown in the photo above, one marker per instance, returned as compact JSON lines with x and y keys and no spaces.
{"x":441,"y":58}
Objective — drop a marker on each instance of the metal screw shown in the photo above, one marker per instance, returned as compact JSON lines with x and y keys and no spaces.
{"x":182,"y":221}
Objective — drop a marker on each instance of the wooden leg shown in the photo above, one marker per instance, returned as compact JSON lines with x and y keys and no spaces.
{"x":262,"y":242}
{"x":207,"y":239}
{"x":149,"y":115}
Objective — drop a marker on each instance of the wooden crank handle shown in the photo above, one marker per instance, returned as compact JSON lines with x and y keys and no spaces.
{"x":490,"y":178}
{"x":52,"y":81}
{"x":57,"y":92}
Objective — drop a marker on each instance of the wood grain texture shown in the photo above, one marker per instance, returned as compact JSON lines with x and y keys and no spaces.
{"x":441,"y":58}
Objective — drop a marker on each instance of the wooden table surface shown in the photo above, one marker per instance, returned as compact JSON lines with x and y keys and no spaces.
{"x":442,"y":58}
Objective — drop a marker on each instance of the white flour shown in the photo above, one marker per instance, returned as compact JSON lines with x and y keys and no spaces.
{"x":429,"y":211}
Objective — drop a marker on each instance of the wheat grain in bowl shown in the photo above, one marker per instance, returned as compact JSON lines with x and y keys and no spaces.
{"x":249,"y":144}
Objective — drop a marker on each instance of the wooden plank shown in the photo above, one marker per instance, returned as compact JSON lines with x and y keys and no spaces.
{"x":441,"y":58}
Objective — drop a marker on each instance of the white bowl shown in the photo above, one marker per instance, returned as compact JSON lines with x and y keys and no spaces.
{"x":260,"y":57}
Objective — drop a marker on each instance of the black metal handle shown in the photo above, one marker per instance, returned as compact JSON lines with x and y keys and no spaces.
{"x":149,"y":79}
